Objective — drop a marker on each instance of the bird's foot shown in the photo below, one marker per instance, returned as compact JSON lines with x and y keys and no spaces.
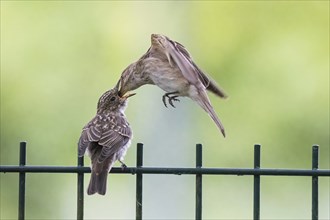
{"x":171,"y":96}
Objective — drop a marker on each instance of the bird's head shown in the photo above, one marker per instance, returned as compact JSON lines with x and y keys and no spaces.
{"x":111,"y":100}
{"x":132,"y":78}
{"x":126,"y":81}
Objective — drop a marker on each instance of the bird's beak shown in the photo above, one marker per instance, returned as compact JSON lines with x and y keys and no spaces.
{"x":118,"y":85}
{"x":128,"y":95}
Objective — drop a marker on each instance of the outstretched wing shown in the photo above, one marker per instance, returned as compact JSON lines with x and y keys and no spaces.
{"x":189,"y":69}
{"x":207,"y":81}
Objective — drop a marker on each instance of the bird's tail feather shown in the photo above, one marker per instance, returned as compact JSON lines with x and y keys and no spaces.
{"x":100,"y":171}
{"x":98,"y":183}
{"x":203,"y":100}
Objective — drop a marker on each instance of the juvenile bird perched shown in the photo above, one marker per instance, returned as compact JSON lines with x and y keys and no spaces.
{"x":106,"y":137}
{"x":169,"y":65}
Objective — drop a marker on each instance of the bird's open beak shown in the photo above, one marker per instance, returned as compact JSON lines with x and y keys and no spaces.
{"x":127,"y":95}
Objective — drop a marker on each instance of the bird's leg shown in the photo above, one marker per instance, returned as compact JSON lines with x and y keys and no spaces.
{"x":123,"y":166}
{"x":170,"y":98}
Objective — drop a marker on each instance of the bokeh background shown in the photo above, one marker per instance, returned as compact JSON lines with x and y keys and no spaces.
{"x":272,"y":58}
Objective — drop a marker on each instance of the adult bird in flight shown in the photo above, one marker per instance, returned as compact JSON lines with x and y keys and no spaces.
{"x":169,"y":65}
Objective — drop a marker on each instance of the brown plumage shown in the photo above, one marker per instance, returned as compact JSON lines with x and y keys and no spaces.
{"x":169,"y":65}
{"x":106,"y":138}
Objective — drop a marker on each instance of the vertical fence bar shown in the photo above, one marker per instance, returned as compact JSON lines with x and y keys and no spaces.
{"x":21,"y":189}
{"x":80,"y":190}
{"x":139,"y":164}
{"x":315,"y":183}
{"x":199,"y":160}
{"x":256,"y":185}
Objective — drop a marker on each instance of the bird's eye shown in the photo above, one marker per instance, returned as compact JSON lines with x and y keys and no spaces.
{"x":113,"y":98}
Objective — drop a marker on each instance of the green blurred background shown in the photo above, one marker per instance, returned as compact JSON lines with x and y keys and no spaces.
{"x":272,"y":58}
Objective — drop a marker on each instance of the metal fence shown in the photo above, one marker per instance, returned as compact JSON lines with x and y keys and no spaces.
{"x":199,"y":171}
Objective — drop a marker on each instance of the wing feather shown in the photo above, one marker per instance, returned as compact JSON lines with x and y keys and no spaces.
{"x":183,"y":63}
{"x":190,"y":70}
{"x":91,"y":133}
{"x":111,"y":143}
{"x":111,"y":133}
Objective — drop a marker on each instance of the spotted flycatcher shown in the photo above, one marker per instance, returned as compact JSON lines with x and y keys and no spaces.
{"x":106,"y":137}
{"x":169,"y":65}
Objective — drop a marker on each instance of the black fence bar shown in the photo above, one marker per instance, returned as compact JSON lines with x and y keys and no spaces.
{"x":199,"y":160}
{"x":256,"y":184}
{"x":315,"y":183}
{"x":139,"y":164}
{"x":22,"y":169}
{"x":175,"y":171}
{"x":80,"y":190}
{"x":21,"y":189}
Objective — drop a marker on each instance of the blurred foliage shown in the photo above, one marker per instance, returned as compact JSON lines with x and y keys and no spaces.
{"x":272,"y":58}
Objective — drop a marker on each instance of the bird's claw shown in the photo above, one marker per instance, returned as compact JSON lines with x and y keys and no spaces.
{"x":173,"y":98}
{"x":164,"y":100}
{"x":170,"y":98}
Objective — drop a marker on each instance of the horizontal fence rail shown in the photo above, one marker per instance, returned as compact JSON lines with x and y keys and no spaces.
{"x":199,"y":171}
{"x":172,"y":170}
